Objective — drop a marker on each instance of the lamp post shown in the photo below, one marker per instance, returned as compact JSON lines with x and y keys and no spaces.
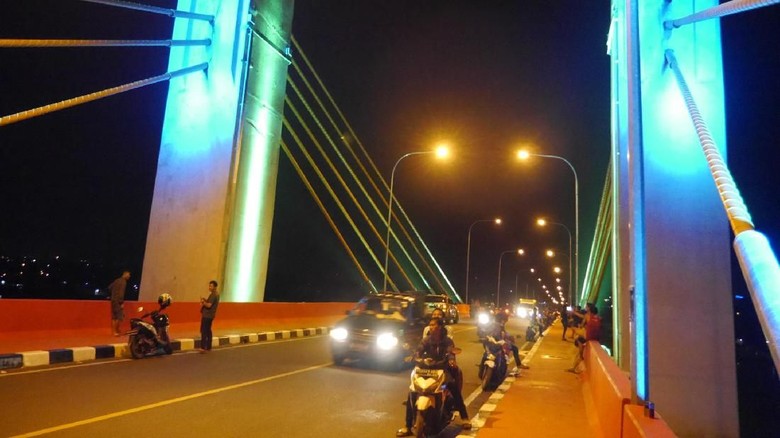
{"x":497,"y":221}
{"x":550,"y":253}
{"x":523,"y":155}
{"x":542,"y":222}
{"x":498,"y":286}
{"x":440,"y":152}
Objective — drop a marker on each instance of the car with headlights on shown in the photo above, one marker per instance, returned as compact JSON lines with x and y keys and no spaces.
{"x":383,"y":329}
{"x":444,"y":303}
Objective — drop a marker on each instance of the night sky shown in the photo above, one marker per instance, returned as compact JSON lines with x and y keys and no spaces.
{"x":78,"y":182}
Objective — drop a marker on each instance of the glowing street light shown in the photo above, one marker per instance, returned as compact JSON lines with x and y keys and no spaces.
{"x":543,"y":222}
{"x":524,"y":155}
{"x":498,"y":285}
{"x":497,"y":221}
{"x":440,"y":152}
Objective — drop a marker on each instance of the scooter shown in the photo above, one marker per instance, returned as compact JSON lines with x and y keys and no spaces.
{"x":432,"y":399}
{"x":150,"y":338}
{"x":493,"y":367}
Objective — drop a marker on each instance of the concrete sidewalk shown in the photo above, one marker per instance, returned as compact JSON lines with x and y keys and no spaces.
{"x":544,"y":401}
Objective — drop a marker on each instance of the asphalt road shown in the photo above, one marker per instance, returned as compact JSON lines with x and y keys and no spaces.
{"x":286,"y":388}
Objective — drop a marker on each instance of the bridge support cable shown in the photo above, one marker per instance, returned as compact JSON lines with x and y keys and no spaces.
{"x":728,"y":8}
{"x":352,"y":173}
{"x":327,"y":186}
{"x":369,"y":177}
{"x":735,"y":208}
{"x":52,"y":107}
{"x":336,"y":172}
{"x":173,"y":13}
{"x":758,"y":263}
{"x":449,"y":289}
{"x":30,"y":43}
{"x":600,"y":250}
{"x":328,"y":217}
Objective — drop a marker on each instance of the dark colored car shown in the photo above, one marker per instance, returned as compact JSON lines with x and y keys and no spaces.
{"x":444,"y":303}
{"x":383,"y":328}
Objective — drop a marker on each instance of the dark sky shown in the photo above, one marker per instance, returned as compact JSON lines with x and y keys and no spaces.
{"x":405,"y":73}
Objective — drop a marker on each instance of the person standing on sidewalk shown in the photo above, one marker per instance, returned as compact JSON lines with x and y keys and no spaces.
{"x":208,"y":310}
{"x":117,"y":290}
{"x":592,"y":333}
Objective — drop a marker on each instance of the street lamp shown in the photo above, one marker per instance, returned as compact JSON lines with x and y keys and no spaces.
{"x":498,"y":286}
{"x":550,"y":253}
{"x":524,"y":155}
{"x":497,"y":221}
{"x":543,"y":222}
{"x":441,"y":152}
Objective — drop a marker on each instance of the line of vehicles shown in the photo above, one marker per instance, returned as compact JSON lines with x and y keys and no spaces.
{"x":384,"y":329}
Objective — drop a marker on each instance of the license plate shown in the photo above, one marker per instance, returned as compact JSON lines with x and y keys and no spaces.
{"x":358,"y":347}
{"x":423,"y":372}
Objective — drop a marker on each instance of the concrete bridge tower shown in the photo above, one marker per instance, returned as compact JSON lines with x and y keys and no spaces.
{"x":216,"y":179}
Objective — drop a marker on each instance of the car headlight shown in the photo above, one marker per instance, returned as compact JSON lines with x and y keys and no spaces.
{"x":483,"y":318}
{"x":386,"y":341}
{"x":339,"y":334}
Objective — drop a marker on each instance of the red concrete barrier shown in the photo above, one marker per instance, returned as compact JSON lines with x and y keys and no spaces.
{"x":637,"y":425}
{"x":609,"y":388}
{"x":43,"y":315}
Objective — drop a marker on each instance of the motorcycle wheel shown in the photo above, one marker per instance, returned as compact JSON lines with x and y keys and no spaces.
{"x":136,"y":349}
{"x":486,"y":378}
{"x":168,"y":349}
{"x":420,"y":426}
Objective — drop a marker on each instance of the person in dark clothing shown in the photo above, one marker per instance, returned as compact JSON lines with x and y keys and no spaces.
{"x":436,"y":351}
{"x":564,"y":320}
{"x":208,"y":311}
{"x":117,"y":289}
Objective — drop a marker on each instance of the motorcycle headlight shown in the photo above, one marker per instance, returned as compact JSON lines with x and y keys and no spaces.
{"x":483,"y":318}
{"x":522,"y":313}
{"x":339,"y":334}
{"x":386,"y":341}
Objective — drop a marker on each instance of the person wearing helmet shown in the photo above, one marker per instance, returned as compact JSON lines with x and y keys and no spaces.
{"x":208,"y":310}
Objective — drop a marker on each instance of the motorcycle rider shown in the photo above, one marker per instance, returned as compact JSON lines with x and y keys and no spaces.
{"x":501,"y":333}
{"x":435,"y":351}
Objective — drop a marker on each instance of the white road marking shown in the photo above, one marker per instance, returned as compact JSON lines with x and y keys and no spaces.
{"x":168,"y":402}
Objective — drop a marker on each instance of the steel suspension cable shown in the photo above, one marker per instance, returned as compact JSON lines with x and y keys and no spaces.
{"x":350,"y":169}
{"x":737,"y":212}
{"x":324,"y":211}
{"x":153,"y":9}
{"x":365,"y":172}
{"x":333,"y":167}
{"x":380,"y":178}
{"x":28,"y":43}
{"x":34,"y":112}
{"x":327,"y":185}
{"x":728,"y":8}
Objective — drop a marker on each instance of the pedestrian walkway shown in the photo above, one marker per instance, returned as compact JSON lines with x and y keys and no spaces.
{"x":544,"y":401}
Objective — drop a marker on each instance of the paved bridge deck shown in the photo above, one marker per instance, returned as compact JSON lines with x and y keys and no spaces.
{"x":544,"y":401}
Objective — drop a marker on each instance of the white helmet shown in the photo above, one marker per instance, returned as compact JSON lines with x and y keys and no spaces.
{"x":164,"y":300}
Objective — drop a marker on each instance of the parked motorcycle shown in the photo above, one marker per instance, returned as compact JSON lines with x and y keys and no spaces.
{"x":432,"y":399}
{"x":493,"y":367}
{"x":150,"y":338}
